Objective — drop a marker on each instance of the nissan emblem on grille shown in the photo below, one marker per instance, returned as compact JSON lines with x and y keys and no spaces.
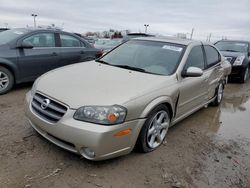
{"x":45,"y":104}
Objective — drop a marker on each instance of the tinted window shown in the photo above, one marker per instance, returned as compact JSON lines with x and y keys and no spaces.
{"x":212,"y":55}
{"x":232,"y":46}
{"x":69,"y":41}
{"x":196,"y":58}
{"x":154,"y":57}
{"x":9,"y":35}
{"x":42,"y":40}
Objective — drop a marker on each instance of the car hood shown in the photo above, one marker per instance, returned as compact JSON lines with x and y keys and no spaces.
{"x":93,"y":83}
{"x":232,"y":54}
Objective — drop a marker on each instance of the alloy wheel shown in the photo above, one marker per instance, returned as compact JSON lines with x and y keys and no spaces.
{"x":220,"y":93}
{"x":246,"y":74}
{"x":4,"y":81}
{"x":158,"y":129}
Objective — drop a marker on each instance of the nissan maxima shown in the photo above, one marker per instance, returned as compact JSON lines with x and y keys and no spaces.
{"x":129,"y":97}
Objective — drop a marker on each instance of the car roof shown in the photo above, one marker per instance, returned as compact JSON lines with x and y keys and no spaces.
{"x":169,"y":40}
{"x":32,"y":29}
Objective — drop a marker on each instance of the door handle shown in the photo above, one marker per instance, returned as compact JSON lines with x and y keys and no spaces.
{"x":82,"y":52}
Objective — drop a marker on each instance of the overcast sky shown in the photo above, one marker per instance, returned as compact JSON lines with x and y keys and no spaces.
{"x":229,"y":18}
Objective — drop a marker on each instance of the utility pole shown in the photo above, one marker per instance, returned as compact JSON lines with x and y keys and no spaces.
{"x":209,"y":37}
{"x":192,"y":32}
{"x":146,"y":27}
{"x":34,"y":16}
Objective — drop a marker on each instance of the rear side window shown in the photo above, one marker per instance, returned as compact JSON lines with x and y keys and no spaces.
{"x":212,"y":55}
{"x":41,"y":40}
{"x":195,"y":58}
{"x":69,"y":41}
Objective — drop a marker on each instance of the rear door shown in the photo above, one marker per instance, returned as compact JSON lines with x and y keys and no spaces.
{"x":213,"y":71}
{"x":73,"y":50}
{"x":41,"y":58}
{"x":193,"y":90}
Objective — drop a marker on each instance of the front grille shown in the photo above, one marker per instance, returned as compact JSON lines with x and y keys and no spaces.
{"x":47,"y":108}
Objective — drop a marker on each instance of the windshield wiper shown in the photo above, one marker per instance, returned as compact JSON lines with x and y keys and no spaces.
{"x":231,"y":50}
{"x":130,"y":68}
{"x":102,"y":61}
{"x":121,"y":66}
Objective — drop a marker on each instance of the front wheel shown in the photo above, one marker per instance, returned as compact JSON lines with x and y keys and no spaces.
{"x":6,"y":80}
{"x":154,"y":130}
{"x":218,"y":95}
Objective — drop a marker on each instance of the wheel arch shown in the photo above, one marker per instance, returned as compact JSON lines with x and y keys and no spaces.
{"x":163,"y":100}
{"x":12,"y":68}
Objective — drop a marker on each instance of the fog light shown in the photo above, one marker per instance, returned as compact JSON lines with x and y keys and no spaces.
{"x":88,"y":152}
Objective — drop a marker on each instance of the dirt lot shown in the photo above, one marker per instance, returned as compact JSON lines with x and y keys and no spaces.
{"x":209,"y":149}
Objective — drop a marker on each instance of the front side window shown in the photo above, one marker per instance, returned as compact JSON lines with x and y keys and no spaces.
{"x":41,"y":40}
{"x":149,"y":56}
{"x":212,"y":55}
{"x":232,"y":46}
{"x":69,"y":41}
{"x":195,"y":58}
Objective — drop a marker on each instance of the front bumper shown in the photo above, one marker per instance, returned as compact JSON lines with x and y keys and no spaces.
{"x":237,"y":71}
{"x":76,"y":136}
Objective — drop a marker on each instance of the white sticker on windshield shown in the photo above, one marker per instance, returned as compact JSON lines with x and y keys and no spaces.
{"x":18,"y":32}
{"x":173,"y":48}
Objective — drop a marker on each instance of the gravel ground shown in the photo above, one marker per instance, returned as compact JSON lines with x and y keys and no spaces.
{"x":208,"y":149}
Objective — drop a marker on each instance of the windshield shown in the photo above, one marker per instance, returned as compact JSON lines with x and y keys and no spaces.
{"x":232,"y":46}
{"x":9,"y":35}
{"x":151,"y":56}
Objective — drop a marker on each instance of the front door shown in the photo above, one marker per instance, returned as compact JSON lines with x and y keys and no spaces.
{"x":193,"y":90}
{"x":43,"y":57}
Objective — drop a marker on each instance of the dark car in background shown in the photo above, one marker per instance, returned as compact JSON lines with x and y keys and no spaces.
{"x":237,"y":53}
{"x":26,"y":54}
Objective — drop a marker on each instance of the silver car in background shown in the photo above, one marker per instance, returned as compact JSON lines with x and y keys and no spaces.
{"x":129,"y":97}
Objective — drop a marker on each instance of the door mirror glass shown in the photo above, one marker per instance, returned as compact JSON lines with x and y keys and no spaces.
{"x":193,"y":72}
{"x":26,"y":45}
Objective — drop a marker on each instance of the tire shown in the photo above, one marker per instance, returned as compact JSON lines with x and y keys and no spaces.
{"x":245,"y":76}
{"x":219,"y":92}
{"x":154,"y":132}
{"x":6,"y":80}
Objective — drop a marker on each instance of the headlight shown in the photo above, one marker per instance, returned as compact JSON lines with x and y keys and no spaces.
{"x":107,"y":115}
{"x":239,"y":60}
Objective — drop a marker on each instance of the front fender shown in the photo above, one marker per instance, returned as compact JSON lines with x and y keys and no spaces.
{"x":154,"y":103}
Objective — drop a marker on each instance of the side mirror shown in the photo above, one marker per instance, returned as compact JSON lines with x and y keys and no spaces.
{"x":26,"y":45}
{"x":192,"y":72}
